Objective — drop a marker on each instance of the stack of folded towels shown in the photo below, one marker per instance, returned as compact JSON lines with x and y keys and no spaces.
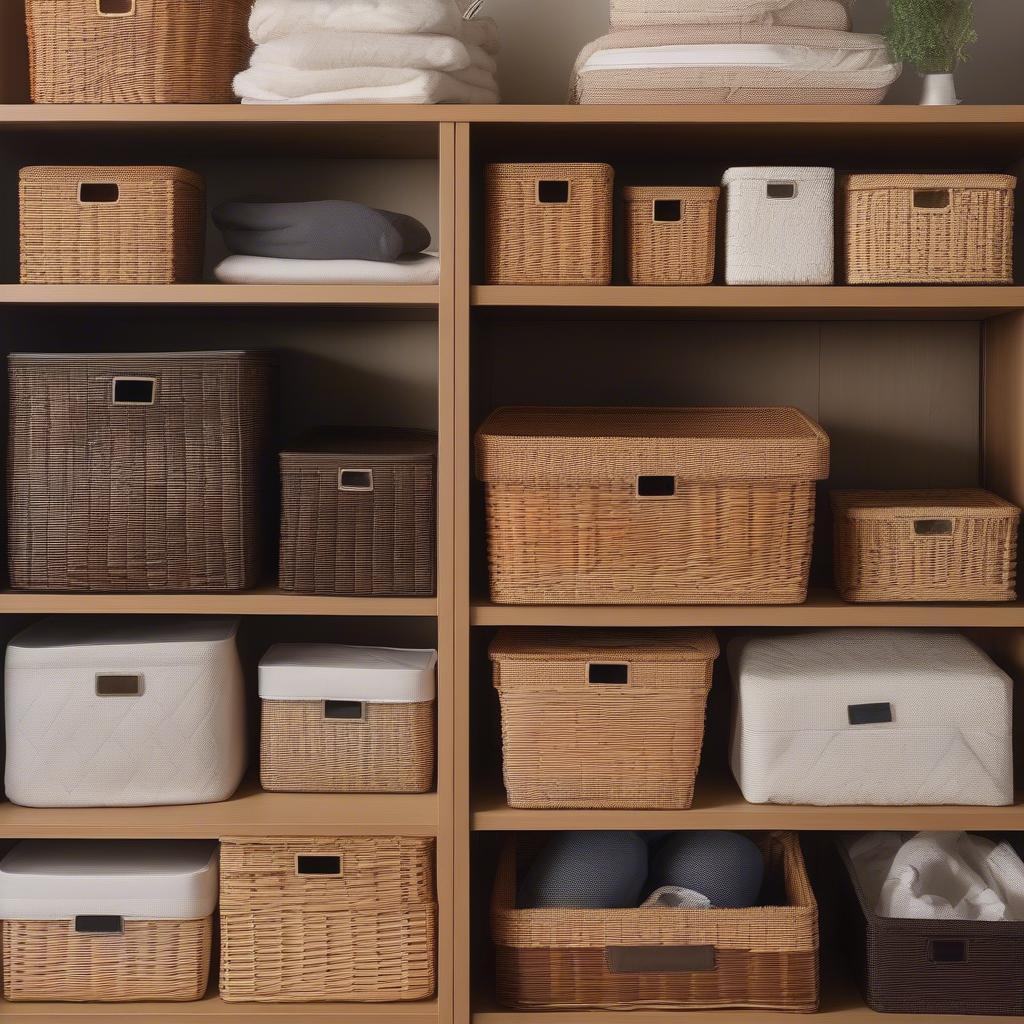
{"x":369,"y":51}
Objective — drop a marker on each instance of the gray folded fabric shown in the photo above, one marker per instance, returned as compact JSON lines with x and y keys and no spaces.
{"x":329,"y":230}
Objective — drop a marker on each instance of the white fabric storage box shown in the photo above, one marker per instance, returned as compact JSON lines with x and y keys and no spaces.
{"x":780,"y":225}
{"x":107,"y":920}
{"x":339,"y":719}
{"x":125,"y":712}
{"x":871,"y":717}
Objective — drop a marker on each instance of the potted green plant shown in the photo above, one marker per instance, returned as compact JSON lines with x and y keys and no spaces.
{"x":934,"y":36}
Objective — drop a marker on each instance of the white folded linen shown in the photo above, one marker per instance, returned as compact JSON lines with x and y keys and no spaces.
{"x":424,"y":268}
{"x":281,"y":81}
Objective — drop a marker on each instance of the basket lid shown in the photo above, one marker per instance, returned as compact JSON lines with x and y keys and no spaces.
{"x":810,"y":175}
{"x":113,"y":174}
{"x":660,"y":645}
{"x":382,"y":444}
{"x":872,"y":182}
{"x":686,"y":193}
{"x":923,"y":504}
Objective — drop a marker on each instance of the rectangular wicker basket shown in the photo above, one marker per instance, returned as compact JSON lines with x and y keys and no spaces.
{"x":650,"y":506}
{"x":664,"y":959}
{"x":955,"y":545}
{"x":111,"y":225}
{"x":602,"y":718}
{"x":670,"y":235}
{"x":349,"y":919}
{"x":929,"y":228}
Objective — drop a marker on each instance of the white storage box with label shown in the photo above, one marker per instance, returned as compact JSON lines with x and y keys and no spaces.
{"x":107,"y":920}
{"x":127,"y":712}
{"x":780,"y":225}
{"x":871,"y":717}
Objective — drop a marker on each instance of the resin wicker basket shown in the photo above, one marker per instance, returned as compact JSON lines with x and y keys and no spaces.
{"x":670,"y":235}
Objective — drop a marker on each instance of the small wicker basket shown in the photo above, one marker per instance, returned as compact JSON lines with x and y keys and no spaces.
{"x":670,"y":235}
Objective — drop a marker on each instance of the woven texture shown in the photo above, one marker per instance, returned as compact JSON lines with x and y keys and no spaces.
{"x":963,"y":235}
{"x":764,"y":957}
{"x":109,"y":497}
{"x":367,"y":935}
{"x":152,"y":960}
{"x":828,"y":14}
{"x":152,"y":234}
{"x":165,"y":51}
{"x":667,"y":243}
{"x":954,"y":545}
{"x":566,"y":241}
{"x":568,"y":742}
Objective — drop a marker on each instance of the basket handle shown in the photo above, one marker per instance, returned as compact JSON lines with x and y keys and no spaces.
{"x":133,"y":391}
{"x":345,"y":710}
{"x":319,"y":865}
{"x":96,"y":193}
{"x":355,"y":479}
{"x":869,"y":714}
{"x":780,"y":190}
{"x":655,"y":486}
{"x":99,"y":924}
{"x":111,"y":685}
{"x":667,"y":211}
{"x":115,"y":8}
{"x":660,"y":959}
{"x":933,"y":527}
{"x":608,"y":673}
{"x":932,"y":200}
{"x":553,"y":191}
{"x":947,"y":951}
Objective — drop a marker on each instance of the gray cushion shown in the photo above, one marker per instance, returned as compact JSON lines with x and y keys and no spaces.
{"x":725,"y":867}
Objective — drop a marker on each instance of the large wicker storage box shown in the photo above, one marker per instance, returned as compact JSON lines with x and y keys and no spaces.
{"x":327,"y":920}
{"x":762,"y":958}
{"x":870,"y":717}
{"x":107,"y":921}
{"x":111,"y":225}
{"x":359,"y":514}
{"x":549,"y":224}
{"x":347,"y":719}
{"x":136,"y":51}
{"x":601,"y":718}
{"x":670,"y":235}
{"x":929,"y":228}
{"x":137,"y":472}
{"x":958,"y":545}
{"x":125,"y":712}
{"x":650,"y":506}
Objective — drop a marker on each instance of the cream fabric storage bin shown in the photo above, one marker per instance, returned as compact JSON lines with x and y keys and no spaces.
{"x":828,"y":14}
{"x":870,"y":717}
{"x":125,"y":712}
{"x":107,"y":921}
{"x":780,"y":225}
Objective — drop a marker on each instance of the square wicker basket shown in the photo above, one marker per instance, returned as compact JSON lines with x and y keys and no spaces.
{"x":670,"y":235}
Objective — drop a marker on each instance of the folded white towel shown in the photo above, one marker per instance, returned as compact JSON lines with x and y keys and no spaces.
{"x":424,"y":268}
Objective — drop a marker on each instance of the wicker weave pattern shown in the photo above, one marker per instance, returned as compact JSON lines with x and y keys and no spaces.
{"x":671,"y":252}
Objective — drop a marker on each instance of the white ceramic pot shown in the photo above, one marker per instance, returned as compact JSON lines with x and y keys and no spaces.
{"x":939,"y":91}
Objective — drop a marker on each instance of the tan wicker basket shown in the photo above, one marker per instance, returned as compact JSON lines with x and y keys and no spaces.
{"x":956,"y":545}
{"x":602,"y":718}
{"x":136,"y":51}
{"x":929,"y":228}
{"x":549,"y":224}
{"x":762,"y":958}
{"x":327,"y":920}
{"x":650,"y":506}
{"x":670,"y":235}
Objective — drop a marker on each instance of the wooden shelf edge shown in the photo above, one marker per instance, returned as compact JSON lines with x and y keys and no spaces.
{"x":425,"y":296}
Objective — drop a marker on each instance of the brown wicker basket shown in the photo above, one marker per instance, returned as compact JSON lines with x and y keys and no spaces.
{"x":929,"y":228}
{"x":549,"y":224}
{"x":136,"y":472}
{"x":327,"y":920}
{"x":358,"y":514}
{"x":666,"y":959}
{"x":958,"y":545}
{"x":136,"y":51}
{"x":601,"y":718}
{"x":650,"y":506}
{"x":111,"y":225}
{"x":670,"y":235}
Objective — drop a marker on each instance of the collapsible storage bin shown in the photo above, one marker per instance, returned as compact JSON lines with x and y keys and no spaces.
{"x":140,"y":472}
{"x":111,"y":225}
{"x":762,"y":958}
{"x":601,"y":718}
{"x":349,"y":919}
{"x":128,"y":712}
{"x":929,"y":228}
{"x":107,"y":921}
{"x":549,"y":224}
{"x":359,"y":514}
{"x":650,"y":506}
{"x":670,"y":235}
{"x":779,"y":225}
{"x":870,"y":717}
{"x":958,"y":545}
{"x":347,"y":719}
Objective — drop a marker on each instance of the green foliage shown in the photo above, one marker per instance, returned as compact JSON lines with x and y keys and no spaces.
{"x":933,"y":35}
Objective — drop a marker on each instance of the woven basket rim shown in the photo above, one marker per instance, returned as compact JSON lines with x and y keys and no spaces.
{"x":384,"y":444}
{"x":694,"y":193}
{"x":66,"y":174}
{"x":115,"y":357}
{"x":873,"y":182}
{"x":566,"y":170}
{"x":974,"y":503}
{"x":671,"y":645}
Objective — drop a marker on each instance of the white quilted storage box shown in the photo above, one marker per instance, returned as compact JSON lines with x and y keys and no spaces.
{"x":780,"y":225}
{"x":124,"y":712}
{"x":870,"y":717}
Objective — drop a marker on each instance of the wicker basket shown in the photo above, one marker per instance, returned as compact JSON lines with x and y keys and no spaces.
{"x":650,"y":506}
{"x":136,"y":51}
{"x":111,"y":225}
{"x":327,"y":920}
{"x":929,"y":228}
{"x":958,"y":545}
{"x":138,"y":472}
{"x":358,"y":514}
{"x":665,"y":959}
{"x":670,"y":235}
{"x":593,"y":718}
{"x":549,"y":224}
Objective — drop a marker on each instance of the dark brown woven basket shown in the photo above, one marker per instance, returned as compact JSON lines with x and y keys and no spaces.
{"x":136,"y":472}
{"x":358,"y":513}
